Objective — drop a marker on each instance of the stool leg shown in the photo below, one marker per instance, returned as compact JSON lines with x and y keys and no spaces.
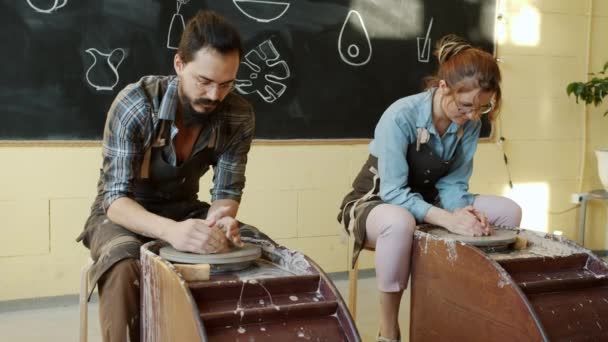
{"x":84,"y":292}
{"x":353,"y":277}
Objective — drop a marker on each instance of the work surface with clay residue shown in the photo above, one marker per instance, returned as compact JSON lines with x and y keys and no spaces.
{"x":259,"y":269}
{"x":540,"y":245}
{"x":285,"y":258}
{"x":565,"y":284}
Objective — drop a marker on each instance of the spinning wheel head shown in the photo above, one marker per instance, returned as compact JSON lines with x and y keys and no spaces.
{"x":237,"y":259}
{"x":499,"y":238}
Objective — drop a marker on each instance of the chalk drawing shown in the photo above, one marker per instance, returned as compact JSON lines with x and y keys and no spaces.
{"x":114,"y":68}
{"x":261,"y":10}
{"x":266,"y":73}
{"x":56,"y":5}
{"x":352,"y":54}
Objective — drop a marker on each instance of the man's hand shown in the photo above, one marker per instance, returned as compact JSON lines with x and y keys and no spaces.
{"x":230,"y":227}
{"x":197,"y":236}
{"x":215,"y":214}
{"x":465,"y":221}
{"x":221,"y":219}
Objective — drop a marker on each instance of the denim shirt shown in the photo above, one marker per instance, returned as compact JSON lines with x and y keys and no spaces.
{"x":397,"y":129}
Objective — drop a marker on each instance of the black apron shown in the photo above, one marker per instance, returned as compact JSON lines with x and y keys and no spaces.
{"x":163,"y":189}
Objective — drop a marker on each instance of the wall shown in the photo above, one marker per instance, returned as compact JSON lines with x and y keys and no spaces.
{"x":293,"y":191}
{"x":597,"y":129}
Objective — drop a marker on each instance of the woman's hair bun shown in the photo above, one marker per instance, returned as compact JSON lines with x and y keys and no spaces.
{"x":449,"y":46}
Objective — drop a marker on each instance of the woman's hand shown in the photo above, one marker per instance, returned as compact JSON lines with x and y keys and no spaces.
{"x":482,"y":219}
{"x":468,"y":221}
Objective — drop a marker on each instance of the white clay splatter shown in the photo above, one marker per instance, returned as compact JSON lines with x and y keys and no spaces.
{"x":293,"y":298}
{"x":241,"y":330}
{"x":261,"y":302}
{"x":253,"y":281}
{"x":452,"y":254}
{"x":315,"y":299}
{"x":238,"y":304}
{"x":262,"y":329}
{"x":268,"y":293}
{"x":504,"y":279}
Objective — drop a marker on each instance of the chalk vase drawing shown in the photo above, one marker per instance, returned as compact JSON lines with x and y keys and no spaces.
{"x":176,"y":27}
{"x":57,"y":4}
{"x":266,"y":73}
{"x":105,"y":70}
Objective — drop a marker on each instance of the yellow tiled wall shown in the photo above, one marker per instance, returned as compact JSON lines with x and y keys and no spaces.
{"x":293,"y":190}
{"x":597,"y":129}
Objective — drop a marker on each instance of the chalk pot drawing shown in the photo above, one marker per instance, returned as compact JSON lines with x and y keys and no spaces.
{"x":352,"y":54}
{"x":266,"y":72}
{"x":56,"y":5}
{"x":261,"y":10}
{"x":424,"y":51}
{"x":114,"y":68}
{"x":175,"y":33}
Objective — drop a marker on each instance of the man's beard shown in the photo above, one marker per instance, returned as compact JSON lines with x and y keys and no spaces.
{"x":193,"y":117}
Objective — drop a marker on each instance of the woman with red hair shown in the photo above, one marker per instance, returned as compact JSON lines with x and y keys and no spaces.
{"x":418,"y":170}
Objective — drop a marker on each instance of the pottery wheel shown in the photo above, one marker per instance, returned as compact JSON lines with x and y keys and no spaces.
{"x":499,"y":237}
{"x":237,"y":259}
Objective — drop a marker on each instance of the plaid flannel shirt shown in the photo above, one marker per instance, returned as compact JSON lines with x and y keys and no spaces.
{"x":133,"y":118}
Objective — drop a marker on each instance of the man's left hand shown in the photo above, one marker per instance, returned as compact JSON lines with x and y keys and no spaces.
{"x":230,"y":227}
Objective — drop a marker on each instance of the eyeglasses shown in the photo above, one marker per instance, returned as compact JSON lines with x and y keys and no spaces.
{"x":203,"y":83}
{"x":465,"y":109}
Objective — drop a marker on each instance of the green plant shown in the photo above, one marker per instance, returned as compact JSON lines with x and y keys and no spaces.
{"x":592,"y":91}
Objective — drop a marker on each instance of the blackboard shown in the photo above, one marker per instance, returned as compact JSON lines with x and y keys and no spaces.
{"x":313,"y":69}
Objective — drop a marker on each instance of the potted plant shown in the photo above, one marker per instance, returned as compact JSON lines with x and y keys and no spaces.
{"x":593,"y":92}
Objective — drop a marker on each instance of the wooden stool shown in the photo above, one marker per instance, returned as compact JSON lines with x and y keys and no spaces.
{"x":84,"y":300}
{"x":353,"y":277}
